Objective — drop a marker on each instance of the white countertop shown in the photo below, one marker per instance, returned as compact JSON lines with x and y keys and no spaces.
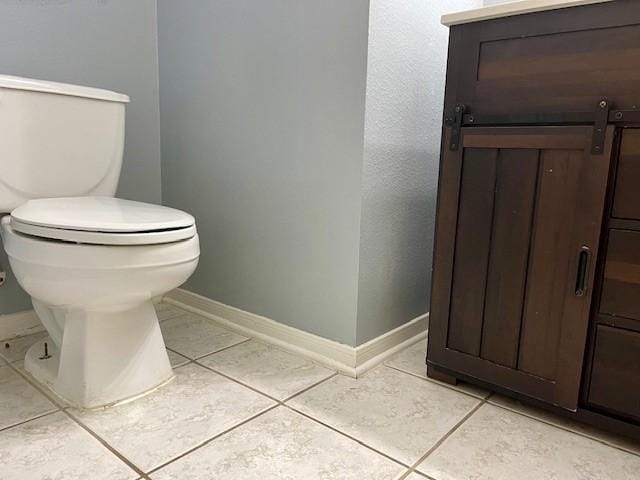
{"x":511,"y":8}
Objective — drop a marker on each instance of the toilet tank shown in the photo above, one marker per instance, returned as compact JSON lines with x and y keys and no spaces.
{"x":58,"y":140}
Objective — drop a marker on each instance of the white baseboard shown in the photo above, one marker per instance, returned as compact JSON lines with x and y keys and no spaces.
{"x":352,"y":361}
{"x":18,"y":324}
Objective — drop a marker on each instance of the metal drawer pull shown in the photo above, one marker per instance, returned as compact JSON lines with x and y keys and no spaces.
{"x":584,"y":258}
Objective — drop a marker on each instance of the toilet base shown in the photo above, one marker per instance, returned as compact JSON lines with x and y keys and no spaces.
{"x":103,"y":357}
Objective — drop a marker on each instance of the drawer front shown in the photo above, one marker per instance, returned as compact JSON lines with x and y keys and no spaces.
{"x":626,"y":203}
{"x":621,"y":286}
{"x":615,"y":375}
{"x":557,"y":61}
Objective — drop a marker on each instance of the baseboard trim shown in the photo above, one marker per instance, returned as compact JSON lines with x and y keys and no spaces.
{"x":19,"y":324}
{"x":352,"y":361}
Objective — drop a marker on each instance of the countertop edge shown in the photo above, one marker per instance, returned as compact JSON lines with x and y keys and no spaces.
{"x":510,"y":9}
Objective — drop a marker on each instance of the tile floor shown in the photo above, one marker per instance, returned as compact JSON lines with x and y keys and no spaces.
{"x":240,"y":409}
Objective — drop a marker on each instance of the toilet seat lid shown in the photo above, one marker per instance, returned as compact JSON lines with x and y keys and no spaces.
{"x":103,"y":221}
{"x":100,"y":214}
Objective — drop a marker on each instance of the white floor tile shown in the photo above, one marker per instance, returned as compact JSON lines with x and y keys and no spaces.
{"x":197,"y":405}
{"x":54,"y":447}
{"x":266,"y":368}
{"x":14,"y":350}
{"x":19,"y":401}
{"x":563,"y":422}
{"x":412,"y":360}
{"x":496,"y":444}
{"x":415,"y":476}
{"x":398,"y":414}
{"x":166,"y":310}
{"x":194,"y":336}
{"x":281,"y":445}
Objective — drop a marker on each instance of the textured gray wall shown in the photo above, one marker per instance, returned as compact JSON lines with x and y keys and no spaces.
{"x":262,"y":114}
{"x":405,"y":91}
{"x":103,"y":43}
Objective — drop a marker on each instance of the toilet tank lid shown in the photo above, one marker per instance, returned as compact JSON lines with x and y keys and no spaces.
{"x":34,"y":85}
{"x":101,"y":214}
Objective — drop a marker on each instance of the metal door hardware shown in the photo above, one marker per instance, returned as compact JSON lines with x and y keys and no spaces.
{"x":455,"y":122}
{"x":600,"y":121}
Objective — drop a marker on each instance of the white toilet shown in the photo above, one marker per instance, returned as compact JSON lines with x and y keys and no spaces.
{"x":91,"y":263}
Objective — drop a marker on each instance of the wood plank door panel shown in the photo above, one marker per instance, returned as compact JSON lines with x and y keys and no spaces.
{"x":473,"y":242}
{"x":551,"y":262}
{"x":512,"y":228}
{"x":517,"y":206}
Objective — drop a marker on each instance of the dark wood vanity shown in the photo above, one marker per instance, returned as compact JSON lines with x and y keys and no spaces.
{"x":536,"y":272}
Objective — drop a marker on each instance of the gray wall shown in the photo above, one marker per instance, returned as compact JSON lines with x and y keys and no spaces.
{"x":405,"y":91}
{"x":262,"y":114}
{"x":103,"y":43}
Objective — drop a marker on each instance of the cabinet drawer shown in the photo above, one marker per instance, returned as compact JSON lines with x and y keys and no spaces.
{"x":621,"y":286}
{"x":615,"y":375}
{"x":626,"y":203}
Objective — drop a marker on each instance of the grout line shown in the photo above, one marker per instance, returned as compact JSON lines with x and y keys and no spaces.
{"x":304,"y":390}
{"x":360,"y":442}
{"x":170,"y":317}
{"x":410,"y":472}
{"x":200,"y":357}
{"x":47,"y":394}
{"x":209,"y":440}
{"x":237,"y":381}
{"x":442,"y":384}
{"x":567,"y":429}
{"x":420,"y":474}
{"x":64,"y":409}
{"x":36,"y":417}
{"x":261,"y":392}
{"x":104,"y":443}
{"x":283,"y":404}
{"x":531,"y":416}
{"x":443,"y":439}
{"x":188,"y":360}
{"x":278,"y":403}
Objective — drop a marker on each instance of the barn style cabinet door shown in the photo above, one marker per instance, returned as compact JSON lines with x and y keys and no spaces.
{"x":518,"y":224}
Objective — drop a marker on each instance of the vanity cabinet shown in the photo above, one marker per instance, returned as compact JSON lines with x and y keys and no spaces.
{"x":536,"y":269}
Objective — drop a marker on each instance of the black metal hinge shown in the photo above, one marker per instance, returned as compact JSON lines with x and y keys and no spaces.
{"x":455,"y":122}
{"x":600,"y":120}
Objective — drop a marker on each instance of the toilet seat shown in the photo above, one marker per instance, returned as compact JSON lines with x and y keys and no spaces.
{"x":102,"y":221}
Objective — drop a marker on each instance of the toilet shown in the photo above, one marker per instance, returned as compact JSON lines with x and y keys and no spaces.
{"x":91,"y":263}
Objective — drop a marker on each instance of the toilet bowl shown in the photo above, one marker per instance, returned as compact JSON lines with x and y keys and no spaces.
{"x":92,"y":266}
